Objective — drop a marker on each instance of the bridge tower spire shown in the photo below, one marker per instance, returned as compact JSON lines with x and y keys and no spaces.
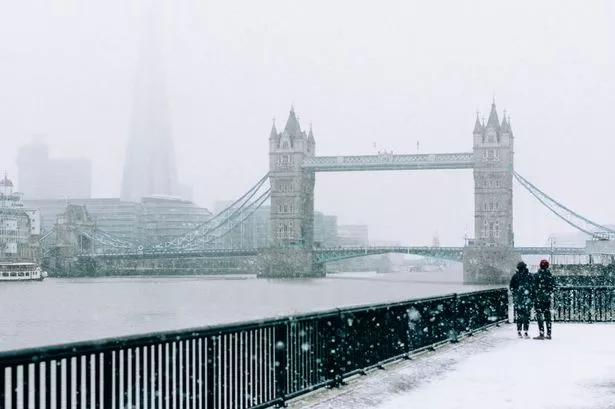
{"x":292,"y":201}
{"x":491,"y":258}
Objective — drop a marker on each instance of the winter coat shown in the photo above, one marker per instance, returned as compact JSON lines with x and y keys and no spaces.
{"x":521,"y":286}
{"x":544,"y":285}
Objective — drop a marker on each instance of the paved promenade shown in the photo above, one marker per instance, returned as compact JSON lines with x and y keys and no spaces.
{"x":495,"y":369}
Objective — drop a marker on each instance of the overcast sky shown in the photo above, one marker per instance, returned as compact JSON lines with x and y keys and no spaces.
{"x":386,"y":72}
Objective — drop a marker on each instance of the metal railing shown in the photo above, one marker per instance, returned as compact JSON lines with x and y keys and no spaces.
{"x":584,"y":304}
{"x":248,"y":365}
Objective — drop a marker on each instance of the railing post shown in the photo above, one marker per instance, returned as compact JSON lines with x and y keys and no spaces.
{"x":454,"y":325}
{"x":107,"y":375}
{"x":341,"y":349}
{"x":3,"y":385}
{"x":210,"y":372}
{"x":335,"y":358}
{"x":507,"y":306}
{"x":590,"y":304}
{"x":281,"y":362}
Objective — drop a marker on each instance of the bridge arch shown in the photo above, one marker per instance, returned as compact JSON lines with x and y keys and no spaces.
{"x":323,"y":256}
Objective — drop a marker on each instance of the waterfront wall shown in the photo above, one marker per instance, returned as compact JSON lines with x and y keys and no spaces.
{"x":101,"y":267}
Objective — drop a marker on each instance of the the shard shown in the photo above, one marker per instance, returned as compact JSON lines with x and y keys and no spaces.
{"x":149,"y":167}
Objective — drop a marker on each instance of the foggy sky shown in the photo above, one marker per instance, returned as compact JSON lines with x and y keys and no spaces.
{"x":388,"y":72}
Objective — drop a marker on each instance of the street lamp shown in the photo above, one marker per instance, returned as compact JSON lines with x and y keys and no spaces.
{"x":552,"y":241}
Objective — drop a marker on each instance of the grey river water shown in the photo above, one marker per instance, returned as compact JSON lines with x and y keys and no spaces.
{"x":65,"y":310}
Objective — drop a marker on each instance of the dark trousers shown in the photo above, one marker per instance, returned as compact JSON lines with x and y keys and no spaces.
{"x":543,"y":314}
{"x":522,"y":317}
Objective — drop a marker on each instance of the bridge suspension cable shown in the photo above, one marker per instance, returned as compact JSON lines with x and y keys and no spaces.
{"x":243,"y":199}
{"x":47,"y":234}
{"x":204,"y":232}
{"x":107,"y":239}
{"x":569,"y":216}
{"x":47,"y":240}
{"x":228,"y":225}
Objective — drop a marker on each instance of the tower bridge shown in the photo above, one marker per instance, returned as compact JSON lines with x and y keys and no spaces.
{"x":293,"y":164}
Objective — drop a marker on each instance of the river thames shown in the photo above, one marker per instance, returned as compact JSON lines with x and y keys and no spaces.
{"x":58,"y":310}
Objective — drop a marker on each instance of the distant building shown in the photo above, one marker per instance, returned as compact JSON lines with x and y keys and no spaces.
{"x":154,"y":220}
{"x":43,"y":178}
{"x":19,"y":226}
{"x":164,"y":218}
{"x":150,"y":167}
{"x":252,"y":233}
{"x":353,"y":235}
{"x":184,"y":191}
{"x":325,"y":230}
{"x":112,"y":215}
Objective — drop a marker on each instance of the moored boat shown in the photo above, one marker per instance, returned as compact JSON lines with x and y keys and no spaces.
{"x":15,"y":271}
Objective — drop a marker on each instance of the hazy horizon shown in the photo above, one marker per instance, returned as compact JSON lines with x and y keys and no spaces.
{"x":390,"y":75}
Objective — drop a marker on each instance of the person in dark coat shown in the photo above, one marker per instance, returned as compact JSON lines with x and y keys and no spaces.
{"x":544,"y":287}
{"x":521,"y":285}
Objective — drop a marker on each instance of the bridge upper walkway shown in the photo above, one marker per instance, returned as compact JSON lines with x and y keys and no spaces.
{"x":492,"y":370}
{"x":389,"y":162}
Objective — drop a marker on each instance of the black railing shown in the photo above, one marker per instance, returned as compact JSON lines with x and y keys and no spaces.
{"x":584,"y":304}
{"x":585,"y":280}
{"x":248,"y":365}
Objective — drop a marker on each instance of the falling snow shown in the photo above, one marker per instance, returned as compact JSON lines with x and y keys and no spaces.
{"x":494,"y":370}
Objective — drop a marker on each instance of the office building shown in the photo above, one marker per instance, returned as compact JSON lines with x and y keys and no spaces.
{"x":19,"y":226}
{"x":42,"y":177}
{"x":353,"y":235}
{"x":150,"y":167}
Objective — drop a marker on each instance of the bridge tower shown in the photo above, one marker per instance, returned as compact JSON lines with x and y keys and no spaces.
{"x":70,"y":240}
{"x":292,"y":202}
{"x":490,"y":257}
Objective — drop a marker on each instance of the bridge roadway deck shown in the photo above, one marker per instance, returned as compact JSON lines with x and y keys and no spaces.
{"x":492,"y":370}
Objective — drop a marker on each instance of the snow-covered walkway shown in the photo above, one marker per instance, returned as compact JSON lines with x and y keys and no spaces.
{"x":492,"y":370}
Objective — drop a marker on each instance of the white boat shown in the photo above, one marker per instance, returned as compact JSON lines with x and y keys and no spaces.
{"x":13,"y":271}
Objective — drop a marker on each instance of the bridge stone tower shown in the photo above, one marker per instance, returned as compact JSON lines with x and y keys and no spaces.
{"x":292,"y":203}
{"x":490,"y":257}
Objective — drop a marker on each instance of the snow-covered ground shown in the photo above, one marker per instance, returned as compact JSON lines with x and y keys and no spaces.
{"x":492,"y":370}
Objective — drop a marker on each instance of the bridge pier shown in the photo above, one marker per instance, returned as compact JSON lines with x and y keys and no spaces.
{"x":289,"y":263}
{"x":489,"y":265}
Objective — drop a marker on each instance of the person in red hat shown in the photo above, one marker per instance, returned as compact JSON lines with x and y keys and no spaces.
{"x":544,"y":287}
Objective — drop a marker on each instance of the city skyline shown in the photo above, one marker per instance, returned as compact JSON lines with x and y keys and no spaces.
{"x":555,"y":234}
{"x":232,"y":69}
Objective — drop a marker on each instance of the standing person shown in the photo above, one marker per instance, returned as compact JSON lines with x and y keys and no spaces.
{"x":521,"y":285}
{"x":544,"y":287}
